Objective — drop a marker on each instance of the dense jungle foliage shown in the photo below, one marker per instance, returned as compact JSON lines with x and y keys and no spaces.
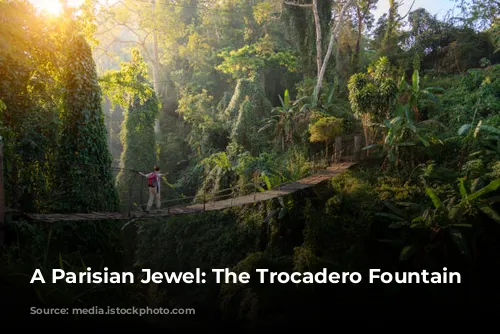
{"x":222,"y":94}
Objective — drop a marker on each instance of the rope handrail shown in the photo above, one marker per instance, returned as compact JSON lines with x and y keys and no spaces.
{"x":256,"y":186}
{"x":210,"y":195}
{"x":209,"y":198}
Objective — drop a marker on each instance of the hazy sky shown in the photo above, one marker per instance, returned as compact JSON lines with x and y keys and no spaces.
{"x":439,"y":7}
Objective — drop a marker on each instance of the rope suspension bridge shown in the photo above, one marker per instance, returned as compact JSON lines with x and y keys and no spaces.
{"x":206,"y":204}
{"x":214,"y":201}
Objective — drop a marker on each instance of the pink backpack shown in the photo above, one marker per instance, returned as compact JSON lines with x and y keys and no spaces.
{"x":152,"y":180}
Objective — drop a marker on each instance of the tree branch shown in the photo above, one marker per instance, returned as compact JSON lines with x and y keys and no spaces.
{"x":115,"y":39}
{"x":105,"y":31}
{"x":123,"y":24}
{"x":127,"y":7}
{"x":409,"y":10}
{"x":303,"y":5}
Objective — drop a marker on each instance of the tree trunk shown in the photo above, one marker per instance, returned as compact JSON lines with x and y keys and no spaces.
{"x":327,"y":144}
{"x":357,"y":148}
{"x":156,"y":69}
{"x":366,"y":131}
{"x":334,"y":31}
{"x":338,"y":69}
{"x":338,"y":148}
{"x":153,"y":287}
{"x":317,"y":24}
{"x":391,"y":22}
{"x":358,"y":39}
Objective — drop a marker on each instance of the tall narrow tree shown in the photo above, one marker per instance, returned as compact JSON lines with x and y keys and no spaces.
{"x":84,"y":172}
{"x":130,"y":88}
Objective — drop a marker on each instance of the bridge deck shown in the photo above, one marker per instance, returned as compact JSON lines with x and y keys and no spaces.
{"x":283,"y":190}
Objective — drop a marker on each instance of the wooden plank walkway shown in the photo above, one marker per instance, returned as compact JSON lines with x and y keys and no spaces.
{"x":283,"y":190}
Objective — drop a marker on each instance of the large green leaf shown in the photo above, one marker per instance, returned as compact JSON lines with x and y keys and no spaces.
{"x":490,"y":129}
{"x":407,"y":144}
{"x":396,"y":120}
{"x":456,"y":212}
{"x":488,"y":210}
{"x":461,"y":186}
{"x":282,"y":102}
{"x":266,"y":180}
{"x":460,"y":225}
{"x":414,"y":206}
{"x":409,"y":118}
{"x":395,"y":209}
{"x":435,"y":200}
{"x":423,"y":140}
{"x":478,"y":127}
{"x":429,"y":122}
{"x":330,"y":95}
{"x":400,"y":110}
{"x":398,"y":224}
{"x":407,"y":252}
{"x":283,"y":212}
{"x":260,"y":189}
{"x":492,"y":186}
{"x":435,"y":89}
{"x":429,"y":95}
{"x":415,"y":80}
{"x":493,"y":200}
{"x":402,"y":83}
{"x":463,"y":129}
{"x":370,"y":146}
{"x":391,"y":156}
{"x":287,"y":98}
{"x":390,"y":216}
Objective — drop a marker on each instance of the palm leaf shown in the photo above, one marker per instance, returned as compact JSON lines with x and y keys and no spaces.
{"x":415,"y":80}
{"x":490,"y":129}
{"x":488,"y":210}
{"x":395,"y":209}
{"x":461,"y":186}
{"x":492,"y":186}
{"x":435,"y":200}
{"x":287,"y":98}
{"x":390,"y":216}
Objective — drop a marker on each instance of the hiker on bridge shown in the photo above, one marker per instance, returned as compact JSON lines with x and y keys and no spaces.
{"x":154,"y":187}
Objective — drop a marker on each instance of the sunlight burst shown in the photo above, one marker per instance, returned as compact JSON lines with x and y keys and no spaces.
{"x":52,"y":7}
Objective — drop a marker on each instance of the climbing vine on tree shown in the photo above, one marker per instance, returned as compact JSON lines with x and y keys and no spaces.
{"x":247,"y":107}
{"x":130,"y":88}
{"x":83,"y":160}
